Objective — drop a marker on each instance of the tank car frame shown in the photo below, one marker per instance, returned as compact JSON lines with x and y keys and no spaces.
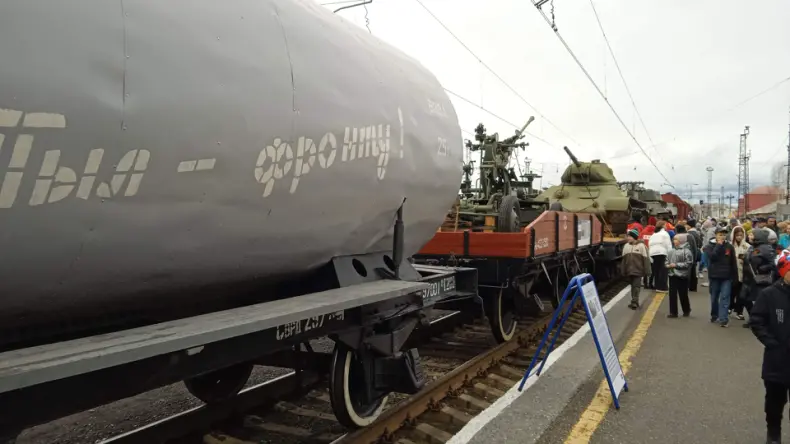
{"x":369,"y":316}
{"x":525,"y":273}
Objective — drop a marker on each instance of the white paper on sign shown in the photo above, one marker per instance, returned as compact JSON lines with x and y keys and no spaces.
{"x":601,"y":330}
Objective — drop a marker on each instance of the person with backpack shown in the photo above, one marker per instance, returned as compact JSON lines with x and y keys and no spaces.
{"x":768,"y":323}
{"x":635,"y":265}
{"x":759,"y":272}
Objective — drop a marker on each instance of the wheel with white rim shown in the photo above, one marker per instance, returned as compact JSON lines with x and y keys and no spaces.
{"x":502,"y":316}
{"x":347,"y":391}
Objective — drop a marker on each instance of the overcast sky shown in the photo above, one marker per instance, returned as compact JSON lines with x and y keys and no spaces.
{"x":688,"y":64}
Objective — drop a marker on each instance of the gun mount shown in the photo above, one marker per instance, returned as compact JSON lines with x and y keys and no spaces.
{"x":590,"y":187}
{"x":502,"y":200}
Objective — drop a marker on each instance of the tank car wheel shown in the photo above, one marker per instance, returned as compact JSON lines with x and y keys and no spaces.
{"x":501,"y":311}
{"x":219,"y":385}
{"x":347,"y":389}
{"x":509,"y":218}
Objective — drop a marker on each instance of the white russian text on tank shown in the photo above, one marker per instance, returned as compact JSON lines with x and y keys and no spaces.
{"x":56,"y":182}
{"x":196,"y":165}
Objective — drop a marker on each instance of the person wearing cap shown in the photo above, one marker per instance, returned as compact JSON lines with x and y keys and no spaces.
{"x":679,"y":260}
{"x":635,"y":265}
{"x":722,"y":268}
{"x":769,"y":324}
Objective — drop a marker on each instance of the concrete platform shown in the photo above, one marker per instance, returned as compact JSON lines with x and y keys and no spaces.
{"x":690,"y":381}
{"x":525,"y":417}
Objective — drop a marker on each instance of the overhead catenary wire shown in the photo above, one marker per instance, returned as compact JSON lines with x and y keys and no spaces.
{"x":622,"y":77}
{"x":491,"y":70}
{"x":603,"y":96}
{"x":492,"y":114}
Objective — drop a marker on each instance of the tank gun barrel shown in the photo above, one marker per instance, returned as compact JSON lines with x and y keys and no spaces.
{"x":573,"y":158}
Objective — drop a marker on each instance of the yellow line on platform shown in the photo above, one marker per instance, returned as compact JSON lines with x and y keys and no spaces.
{"x":595,"y":412}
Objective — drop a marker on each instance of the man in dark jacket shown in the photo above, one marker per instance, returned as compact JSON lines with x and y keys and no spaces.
{"x":721,"y":270}
{"x":767,"y":321}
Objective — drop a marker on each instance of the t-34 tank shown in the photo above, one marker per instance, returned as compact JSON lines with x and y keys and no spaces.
{"x":175,"y":154}
{"x":590,"y":187}
{"x":656,"y":206}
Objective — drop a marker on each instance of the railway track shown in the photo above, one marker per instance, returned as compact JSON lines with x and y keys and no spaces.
{"x":466,"y":371}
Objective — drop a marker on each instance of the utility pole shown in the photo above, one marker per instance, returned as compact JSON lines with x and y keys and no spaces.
{"x":743,"y":170}
{"x":710,"y":189}
{"x":721,"y":202}
{"x":730,"y":196}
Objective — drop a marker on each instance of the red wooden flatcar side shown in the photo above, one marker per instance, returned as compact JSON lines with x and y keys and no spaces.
{"x":549,"y":233}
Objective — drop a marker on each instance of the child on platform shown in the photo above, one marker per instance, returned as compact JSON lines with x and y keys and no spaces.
{"x":635,"y":265}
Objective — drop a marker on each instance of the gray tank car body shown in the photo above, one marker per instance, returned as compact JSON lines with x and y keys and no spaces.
{"x":159,"y":147}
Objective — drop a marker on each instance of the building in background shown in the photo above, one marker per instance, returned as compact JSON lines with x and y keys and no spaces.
{"x":760,"y":197}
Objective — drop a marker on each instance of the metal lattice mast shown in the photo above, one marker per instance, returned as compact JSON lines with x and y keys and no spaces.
{"x":743,"y":170}
{"x":710,"y":189}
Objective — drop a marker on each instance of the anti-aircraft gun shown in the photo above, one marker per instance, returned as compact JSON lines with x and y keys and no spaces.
{"x":590,"y":187}
{"x":502,"y":200}
{"x":656,"y":206}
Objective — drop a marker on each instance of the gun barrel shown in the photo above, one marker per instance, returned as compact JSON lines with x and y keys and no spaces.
{"x":524,"y":128}
{"x":573,"y":158}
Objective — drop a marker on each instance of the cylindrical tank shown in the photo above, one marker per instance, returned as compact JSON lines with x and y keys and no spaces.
{"x":168,"y":146}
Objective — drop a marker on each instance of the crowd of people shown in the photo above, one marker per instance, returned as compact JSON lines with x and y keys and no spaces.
{"x":748,"y":268}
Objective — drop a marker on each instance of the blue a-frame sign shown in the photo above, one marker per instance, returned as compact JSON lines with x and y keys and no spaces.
{"x":583,"y":287}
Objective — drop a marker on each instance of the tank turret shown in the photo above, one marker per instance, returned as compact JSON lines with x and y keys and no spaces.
{"x":655,"y":204}
{"x":591,"y":187}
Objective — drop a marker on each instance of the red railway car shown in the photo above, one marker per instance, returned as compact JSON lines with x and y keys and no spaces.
{"x":682,"y":208}
{"x":527,"y":271}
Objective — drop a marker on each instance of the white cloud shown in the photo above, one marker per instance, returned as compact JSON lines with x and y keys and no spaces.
{"x":687,"y":65}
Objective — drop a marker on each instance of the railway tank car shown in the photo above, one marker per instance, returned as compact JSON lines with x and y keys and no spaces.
{"x":156,"y":156}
